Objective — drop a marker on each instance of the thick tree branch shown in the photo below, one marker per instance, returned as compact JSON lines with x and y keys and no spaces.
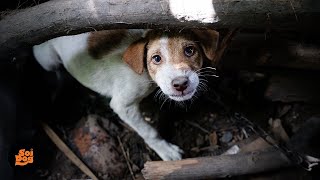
{"x":216,"y":166}
{"x":55,"y":18}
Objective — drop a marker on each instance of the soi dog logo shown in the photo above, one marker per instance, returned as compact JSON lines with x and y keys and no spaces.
{"x":24,"y":157}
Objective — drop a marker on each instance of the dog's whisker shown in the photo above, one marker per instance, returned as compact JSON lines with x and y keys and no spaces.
{"x":208,"y":74}
{"x":204,"y":68}
{"x":204,"y":72}
{"x":163,"y":96}
{"x":195,"y":97}
{"x":212,"y":75}
{"x":202,"y":87}
{"x":207,"y":70}
{"x":163,"y":102}
{"x":209,"y":67}
{"x":203,"y":79}
{"x":157,"y":94}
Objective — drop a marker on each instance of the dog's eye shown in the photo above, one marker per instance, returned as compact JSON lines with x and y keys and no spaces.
{"x":189,"y":51}
{"x":156,"y":59}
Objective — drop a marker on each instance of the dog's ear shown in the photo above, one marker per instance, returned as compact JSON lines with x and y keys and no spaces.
{"x":208,"y":39}
{"x":134,"y":55}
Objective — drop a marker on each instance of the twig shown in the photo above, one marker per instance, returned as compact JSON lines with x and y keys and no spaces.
{"x":294,"y":11}
{"x":125,"y":156}
{"x":67,"y":151}
{"x":198,"y":126}
{"x":294,"y":156}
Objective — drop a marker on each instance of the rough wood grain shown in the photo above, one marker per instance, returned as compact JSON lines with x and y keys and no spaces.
{"x":55,"y":18}
{"x":216,"y":166}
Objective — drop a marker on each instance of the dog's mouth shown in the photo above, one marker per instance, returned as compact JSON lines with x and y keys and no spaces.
{"x":183,"y":96}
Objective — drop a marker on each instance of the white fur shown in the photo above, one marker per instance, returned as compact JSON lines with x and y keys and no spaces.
{"x":164,"y":48}
{"x":111,"y":77}
{"x":52,"y":53}
{"x":167,"y":73}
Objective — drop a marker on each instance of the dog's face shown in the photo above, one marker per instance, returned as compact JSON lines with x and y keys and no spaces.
{"x":173,"y":59}
{"x":172,"y":63}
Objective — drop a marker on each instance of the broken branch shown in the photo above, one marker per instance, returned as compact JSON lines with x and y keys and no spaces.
{"x":216,"y":166}
{"x":56,"y":18}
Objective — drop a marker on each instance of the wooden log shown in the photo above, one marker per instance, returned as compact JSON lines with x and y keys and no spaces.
{"x":293,"y":55}
{"x":251,"y":50}
{"x":216,"y":166}
{"x":55,"y":18}
{"x":293,"y":86}
{"x":242,"y":163}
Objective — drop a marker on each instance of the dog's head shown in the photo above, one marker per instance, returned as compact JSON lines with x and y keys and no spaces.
{"x":173,"y":59}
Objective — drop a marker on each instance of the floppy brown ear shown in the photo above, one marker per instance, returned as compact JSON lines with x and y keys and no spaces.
{"x":134,"y":55}
{"x":208,"y":39}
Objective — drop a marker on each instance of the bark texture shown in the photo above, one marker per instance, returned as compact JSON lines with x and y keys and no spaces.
{"x":216,"y":166}
{"x":56,"y":18}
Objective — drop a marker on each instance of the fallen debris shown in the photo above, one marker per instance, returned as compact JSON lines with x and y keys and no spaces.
{"x":226,"y":137}
{"x":261,"y":155}
{"x":67,"y":151}
{"x":278,"y":131}
{"x":213,"y":138}
{"x":126,"y":157}
{"x":97,"y":148}
{"x":216,"y":166}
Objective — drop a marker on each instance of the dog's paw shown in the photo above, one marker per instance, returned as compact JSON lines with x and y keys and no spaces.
{"x":168,"y":151}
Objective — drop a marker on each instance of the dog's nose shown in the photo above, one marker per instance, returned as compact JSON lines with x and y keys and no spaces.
{"x":180,"y":83}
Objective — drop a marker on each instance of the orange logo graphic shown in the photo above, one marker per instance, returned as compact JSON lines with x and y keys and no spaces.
{"x":24,"y":157}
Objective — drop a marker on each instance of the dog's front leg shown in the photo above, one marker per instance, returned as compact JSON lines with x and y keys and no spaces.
{"x":132,"y":116}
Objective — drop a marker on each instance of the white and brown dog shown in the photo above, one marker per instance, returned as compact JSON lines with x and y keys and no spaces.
{"x":122,"y":64}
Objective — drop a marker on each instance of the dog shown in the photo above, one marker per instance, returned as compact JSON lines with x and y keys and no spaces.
{"x":127,"y":65}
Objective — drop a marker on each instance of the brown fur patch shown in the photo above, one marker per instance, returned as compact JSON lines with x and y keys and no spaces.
{"x":102,"y":42}
{"x":209,"y":41}
{"x":134,"y":55}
